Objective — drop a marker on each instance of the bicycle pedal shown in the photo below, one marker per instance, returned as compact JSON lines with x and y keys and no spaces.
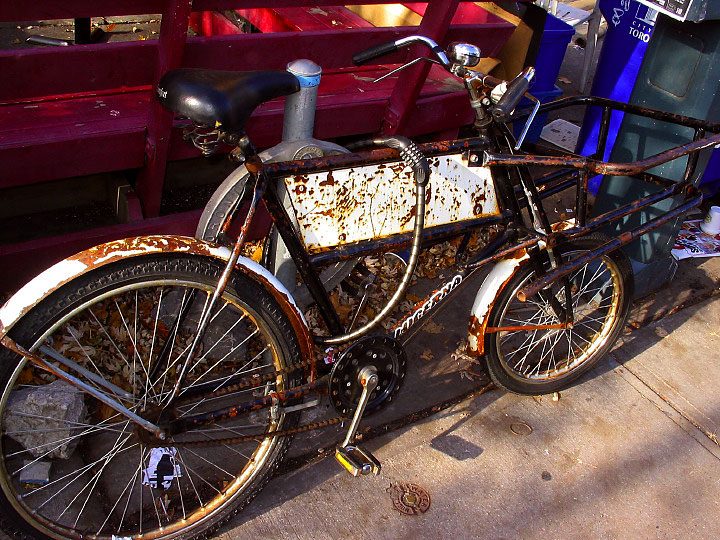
{"x":357,"y":461}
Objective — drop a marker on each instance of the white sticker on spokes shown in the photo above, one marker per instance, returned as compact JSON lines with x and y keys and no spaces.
{"x":162,"y":468}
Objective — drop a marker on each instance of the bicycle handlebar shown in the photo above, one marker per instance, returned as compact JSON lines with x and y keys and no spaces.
{"x":391,"y":46}
{"x":512,"y":96}
{"x":374,"y":52}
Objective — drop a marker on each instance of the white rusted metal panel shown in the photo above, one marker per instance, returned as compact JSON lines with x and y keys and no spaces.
{"x":349,"y":205}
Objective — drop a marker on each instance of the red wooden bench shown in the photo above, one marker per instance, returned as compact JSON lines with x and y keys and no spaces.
{"x":85,"y":109}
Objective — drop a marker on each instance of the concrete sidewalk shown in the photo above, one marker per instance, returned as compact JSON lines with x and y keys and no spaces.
{"x":630,"y":452}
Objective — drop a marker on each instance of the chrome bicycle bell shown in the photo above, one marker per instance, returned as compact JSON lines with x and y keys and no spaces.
{"x":463,"y":54}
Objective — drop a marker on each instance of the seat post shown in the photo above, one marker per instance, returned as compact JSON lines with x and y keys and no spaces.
{"x":299,"y":118}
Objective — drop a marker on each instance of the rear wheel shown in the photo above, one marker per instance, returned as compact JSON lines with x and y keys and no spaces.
{"x":71,"y":466}
{"x":539,"y":361}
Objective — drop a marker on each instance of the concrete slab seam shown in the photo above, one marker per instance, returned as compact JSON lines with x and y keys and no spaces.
{"x":708,"y":434}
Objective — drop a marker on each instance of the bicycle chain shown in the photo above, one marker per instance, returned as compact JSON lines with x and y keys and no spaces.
{"x":259,"y":436}
{"x":255,"y":382}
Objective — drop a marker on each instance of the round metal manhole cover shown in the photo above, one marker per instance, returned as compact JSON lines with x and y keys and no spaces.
{"x":409,"y":499}
{"x":521,"y":428}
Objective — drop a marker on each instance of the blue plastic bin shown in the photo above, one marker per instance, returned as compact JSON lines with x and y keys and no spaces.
{"x":554,"y":42}
{"x":551,"y":52}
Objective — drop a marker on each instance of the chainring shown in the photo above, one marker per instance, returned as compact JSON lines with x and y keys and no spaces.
{"x":386,"y":355}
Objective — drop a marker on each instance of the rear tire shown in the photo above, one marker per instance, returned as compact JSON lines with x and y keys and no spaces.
{"x":544,"y":361}
{"x":114,"y":323}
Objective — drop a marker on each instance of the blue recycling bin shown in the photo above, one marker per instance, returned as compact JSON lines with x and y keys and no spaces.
{"x":630,"y":25}
{"x":679,"y":73}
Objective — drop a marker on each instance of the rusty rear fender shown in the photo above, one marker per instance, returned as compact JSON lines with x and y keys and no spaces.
{"x":96,"y":257}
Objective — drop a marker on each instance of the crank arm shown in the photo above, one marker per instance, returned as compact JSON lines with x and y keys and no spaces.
{"x":368,"y":378}
{"x":353,"y":458}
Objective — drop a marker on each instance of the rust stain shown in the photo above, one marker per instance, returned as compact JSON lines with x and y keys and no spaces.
{"x":475,"y":328}
{"x":562,"y":225}
{"x":408,"y":217}
{"x":118,"y":249}
{"x":329,"y":180}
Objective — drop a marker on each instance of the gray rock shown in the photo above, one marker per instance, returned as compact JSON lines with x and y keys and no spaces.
{"x":44,"y":418}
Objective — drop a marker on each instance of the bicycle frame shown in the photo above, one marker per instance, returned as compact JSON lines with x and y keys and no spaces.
{"x":520,"y":236}
{"x":571,"y":170}
{"x":514,"y":243}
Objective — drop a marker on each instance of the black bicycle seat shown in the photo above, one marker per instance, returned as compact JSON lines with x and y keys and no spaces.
{"x":222,"y":99}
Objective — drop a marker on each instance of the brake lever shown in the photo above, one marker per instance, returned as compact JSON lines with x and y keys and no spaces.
{"x":389,"y":73}
{"x":530,"y":119}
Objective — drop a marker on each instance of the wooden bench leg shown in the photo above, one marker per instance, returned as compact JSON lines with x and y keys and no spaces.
{"x":173,"y":34}
{"x":434,"y":25}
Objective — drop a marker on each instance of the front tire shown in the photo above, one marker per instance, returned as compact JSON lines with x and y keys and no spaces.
{"x":541,"y":361}
{"x":101,"y":480}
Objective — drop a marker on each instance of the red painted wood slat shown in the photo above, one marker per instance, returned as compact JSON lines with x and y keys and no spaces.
{"x":212,"y":23}
{"x":303,"y":18}
{"x":87,"y":68}
{"x":434,"y":25}
{"x":173,"y":33}
{"x":23,"y":260}
{"x":11,"y":10}
{"x":35,"y":138}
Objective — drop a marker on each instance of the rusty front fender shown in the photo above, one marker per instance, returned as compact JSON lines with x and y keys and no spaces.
{"x":486,"y":297}
{"x":96,"y":257}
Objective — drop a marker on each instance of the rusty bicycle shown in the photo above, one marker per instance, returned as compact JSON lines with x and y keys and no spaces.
{"x":152,"y":385}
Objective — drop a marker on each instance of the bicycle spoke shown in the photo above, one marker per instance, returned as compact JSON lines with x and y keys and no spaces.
{"x":75,"y":474}
{"x":173,"y":339}
{"x":109,"y":457}
{"x":136,"y":354}
{"x":190,"y":480}
{"x":210,"y":463}
{"x":132,"y":341}
{"x":129,"y":485}
{"x":200,"y":477}
{"x":217,"y":342}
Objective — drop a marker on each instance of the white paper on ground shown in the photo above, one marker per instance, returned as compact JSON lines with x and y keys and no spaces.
{"x":561,"y":133}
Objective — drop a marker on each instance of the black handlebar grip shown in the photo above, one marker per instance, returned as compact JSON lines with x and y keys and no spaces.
{"x":509,"y":100}
{"x":374,"y":52}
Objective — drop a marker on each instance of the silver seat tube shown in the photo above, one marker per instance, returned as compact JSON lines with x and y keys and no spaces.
{"x":299,"y":119}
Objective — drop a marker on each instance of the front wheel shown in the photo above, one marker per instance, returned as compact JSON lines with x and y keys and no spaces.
{"x":72,"y":467}
{"x":536,"y":360}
